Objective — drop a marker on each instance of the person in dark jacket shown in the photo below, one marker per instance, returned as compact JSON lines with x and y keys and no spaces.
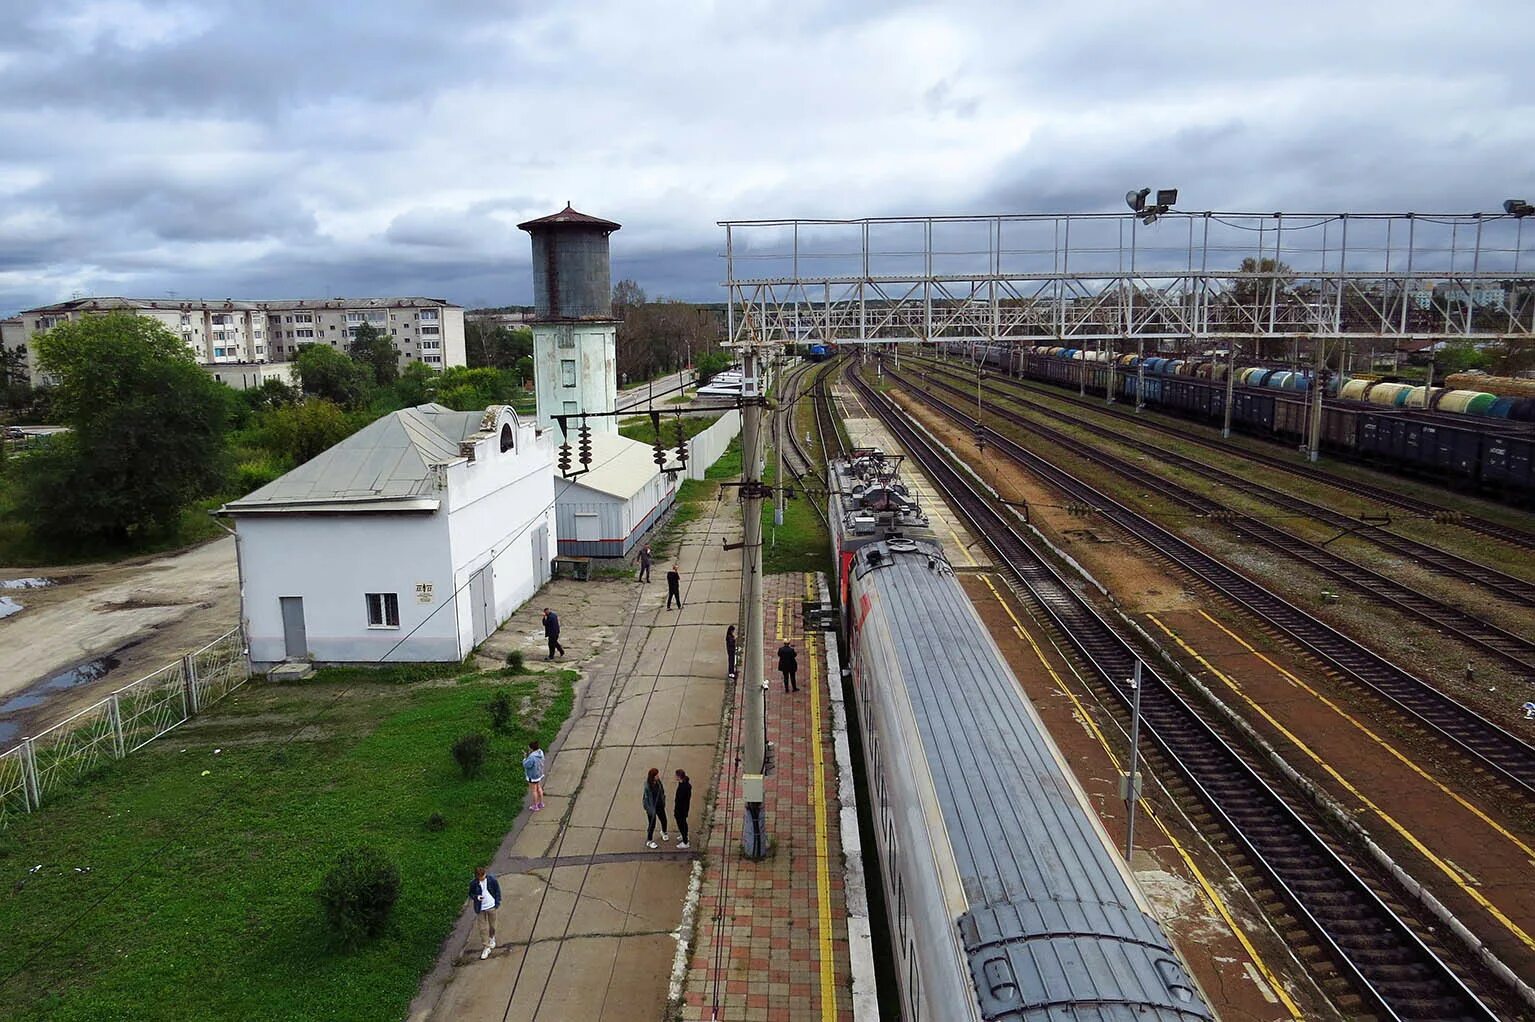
{"x":485,"y":896}
{"x":552,"y":633}
{"x":646,"y":558}
{"x":683,"y":802}
{"x":655,"y":806}
{"x":730,"y":650}
{"x":788,"y":664}
{"x":673,"y":588}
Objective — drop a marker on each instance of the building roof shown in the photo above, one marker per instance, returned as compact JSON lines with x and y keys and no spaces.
{"x":388,"y":465}
{"x":568,"y":218}
{"x":107,"y":304}
{"x":620,"y":467}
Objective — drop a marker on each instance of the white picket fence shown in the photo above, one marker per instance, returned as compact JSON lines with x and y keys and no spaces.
{"x":123,"y":722}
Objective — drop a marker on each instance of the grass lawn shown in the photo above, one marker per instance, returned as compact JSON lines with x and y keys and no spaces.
{"x":801,"y":542}
{"x":639,"y":427}
{"x":179,"y":883}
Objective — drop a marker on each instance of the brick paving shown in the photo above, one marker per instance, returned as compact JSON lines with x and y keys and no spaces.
{"x":769,"y":935}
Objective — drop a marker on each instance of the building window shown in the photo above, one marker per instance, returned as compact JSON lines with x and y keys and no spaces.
{"x":568,"y":372}
{"x":508,"y":438}
{"x":218,"y":352}
{"x":428,"y":330}
{"x":429,"y":314}
{"x":430,"y":345}
{"x":383,"y":610}
{"x":436,"y":359}
{"x":305,"y":333}
{"x":260,"y":349}
{"x":354,"y":317}
{"x":570,"y":408}
{"x":303,"y":317}
{"x":567,"y":339}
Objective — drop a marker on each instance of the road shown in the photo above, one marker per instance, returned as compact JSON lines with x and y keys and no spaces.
{"x":636,"y":397}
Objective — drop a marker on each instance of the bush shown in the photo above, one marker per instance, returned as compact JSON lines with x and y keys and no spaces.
{"x":435,"y":822}
{"x":514,"y":661}
{"x":358,"y":894}
{"x":469,"y":752}
{"x":500,"y":707}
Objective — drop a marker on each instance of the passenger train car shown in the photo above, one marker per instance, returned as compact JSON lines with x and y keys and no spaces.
{"x":1006,"y":901}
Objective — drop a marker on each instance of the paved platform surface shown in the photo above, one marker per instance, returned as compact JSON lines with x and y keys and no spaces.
{"x":772,"y":935}
{"x":589,"y":921}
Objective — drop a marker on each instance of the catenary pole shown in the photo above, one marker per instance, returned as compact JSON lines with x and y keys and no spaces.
{"x":754,"y":731}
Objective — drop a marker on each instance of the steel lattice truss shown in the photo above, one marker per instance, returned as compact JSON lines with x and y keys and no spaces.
{"x":1105,"y":277}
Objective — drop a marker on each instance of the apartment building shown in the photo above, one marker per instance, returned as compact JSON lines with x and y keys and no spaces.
{"x":232,"y":333}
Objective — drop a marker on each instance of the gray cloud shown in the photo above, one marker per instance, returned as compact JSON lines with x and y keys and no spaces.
{"x":280,"y":147}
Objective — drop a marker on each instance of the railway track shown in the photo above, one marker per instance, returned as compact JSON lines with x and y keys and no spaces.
{"x":1468,"y":627}
{"x":1493,"y":749}
{"x":1394,"y":971}
{"x":1442,"y":562}
{"x":1512,"y":535}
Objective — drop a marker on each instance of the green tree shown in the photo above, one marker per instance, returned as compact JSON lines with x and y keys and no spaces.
{"x":417,"y":383}
{"x":375,"y":350}
{"x":325,"y":372}
{"x":146,"y":436}
{"x":272,"y":393}
{"x":488,"y":343}
{"x":299,"y":432}
{"x":467,"y":390}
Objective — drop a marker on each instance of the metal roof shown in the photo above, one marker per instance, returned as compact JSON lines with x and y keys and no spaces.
{"x":1052,"y":917}
{"x":568,"y":217}
{"x":620,"y":467}
{"x":236,"y":305}
{"x":387,"y":465}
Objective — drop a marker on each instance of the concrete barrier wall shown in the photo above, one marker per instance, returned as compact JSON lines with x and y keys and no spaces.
{"x":705,"y":448}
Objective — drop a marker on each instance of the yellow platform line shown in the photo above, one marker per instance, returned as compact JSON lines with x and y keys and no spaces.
{"x":1444,"y":867}
{"x":1400,"y":757}
{"x":1205,"y":885}
{"x":818,"y":803}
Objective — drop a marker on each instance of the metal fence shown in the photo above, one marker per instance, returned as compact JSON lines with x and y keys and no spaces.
{"x":123,"y":722}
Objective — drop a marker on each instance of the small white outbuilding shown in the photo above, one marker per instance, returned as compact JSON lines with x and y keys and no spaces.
{"x":411,"y":540}
{"x":605,"y":510}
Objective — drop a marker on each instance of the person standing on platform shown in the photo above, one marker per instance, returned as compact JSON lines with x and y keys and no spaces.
{"x":533,"y":769}
{"x":788,"y":664}
{"x":646,"y":557}
{"x":673,"y":588}
{"x":485,"y":895}
{"x":680,"y":807}
{"x":552,"y":633}
{"x":730,"y":651}
{"x":655,"y":807}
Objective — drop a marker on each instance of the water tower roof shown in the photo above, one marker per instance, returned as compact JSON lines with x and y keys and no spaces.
{"x":568,"y":217}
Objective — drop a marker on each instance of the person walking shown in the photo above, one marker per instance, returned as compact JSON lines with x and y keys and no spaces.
{"x":533,"y":768}
{"x":683,"y":801}
{"x":485,"y":896}
{"x":730,"y":650}
{"x":788,"y":664}
{"x":552,"y":633}
{"x":655,"y":807}
{"x":646,"y":558}
{"x":673,"y":588}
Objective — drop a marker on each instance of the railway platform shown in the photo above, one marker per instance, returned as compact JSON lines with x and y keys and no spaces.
{"x":773,"y":941}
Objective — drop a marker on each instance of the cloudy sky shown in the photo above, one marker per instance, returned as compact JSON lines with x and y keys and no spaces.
{"x":295,"y":148}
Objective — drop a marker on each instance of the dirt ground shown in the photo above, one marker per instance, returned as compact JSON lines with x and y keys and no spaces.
{"x":144,"y":613}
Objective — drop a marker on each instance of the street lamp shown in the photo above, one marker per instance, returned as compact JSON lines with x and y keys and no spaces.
{"x":1147,"y":214}
{"x":1517,"y":208}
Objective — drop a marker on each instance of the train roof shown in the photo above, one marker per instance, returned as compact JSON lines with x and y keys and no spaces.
{"x":1050,"y":905}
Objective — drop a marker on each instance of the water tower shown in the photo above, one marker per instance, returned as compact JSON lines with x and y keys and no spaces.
{"x":575,"y":366}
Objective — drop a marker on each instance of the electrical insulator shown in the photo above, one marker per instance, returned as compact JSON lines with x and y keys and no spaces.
{"x":564,"y":459}
{"x":585,"y":439}
{"x":682,"y":442}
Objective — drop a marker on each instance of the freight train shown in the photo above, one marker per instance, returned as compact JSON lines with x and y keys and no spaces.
{"x":1435,"y":433}
{"x":1006,"y":900}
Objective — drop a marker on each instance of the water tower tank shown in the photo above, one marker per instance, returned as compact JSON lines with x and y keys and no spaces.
{"x":571,"y":279}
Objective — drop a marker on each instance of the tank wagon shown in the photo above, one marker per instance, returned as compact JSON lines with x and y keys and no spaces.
{"x":1471,"y":439}
{"x":1006,"y":901}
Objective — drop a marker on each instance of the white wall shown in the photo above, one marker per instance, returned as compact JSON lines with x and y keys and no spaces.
{"x":332,"y":561}
{"x":596,"y":384}
{"x":705,"y":448}
{"x":495,"y":503}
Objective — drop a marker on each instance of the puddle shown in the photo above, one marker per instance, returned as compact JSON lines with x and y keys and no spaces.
{"x":9,"y":606}
{"x":25,"y":583}
{"x":37,"y":694}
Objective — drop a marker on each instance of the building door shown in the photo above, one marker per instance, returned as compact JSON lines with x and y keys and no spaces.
{"x":540,"y":556}
{"x":295,"y":643}
{"x":483,"y":604}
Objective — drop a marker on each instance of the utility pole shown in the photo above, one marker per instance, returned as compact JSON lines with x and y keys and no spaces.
{"x":1130,"y":782}
{"x":1140,"y":373}
{"x":1231,"y":387}
{"x":754,"y":841}
{"x":1314,"y":444}
{"x":778,"y":485}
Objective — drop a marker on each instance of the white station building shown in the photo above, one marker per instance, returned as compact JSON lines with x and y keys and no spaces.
{"x":411,"y":540}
